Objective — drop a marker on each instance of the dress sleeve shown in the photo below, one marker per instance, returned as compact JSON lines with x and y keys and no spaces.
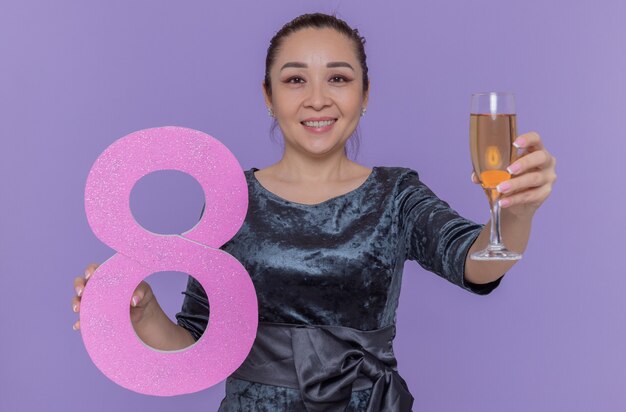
{"x":194,"y":312}
{"x":435,"y":235}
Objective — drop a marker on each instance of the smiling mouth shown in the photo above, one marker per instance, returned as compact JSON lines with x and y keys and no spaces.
{"x":322,"y":123}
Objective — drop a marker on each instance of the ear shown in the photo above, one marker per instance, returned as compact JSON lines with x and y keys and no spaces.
{"x":366,"y":95}
{"x":268,"y":100}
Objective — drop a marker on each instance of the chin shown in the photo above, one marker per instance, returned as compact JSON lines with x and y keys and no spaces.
{"x":323,"y":150}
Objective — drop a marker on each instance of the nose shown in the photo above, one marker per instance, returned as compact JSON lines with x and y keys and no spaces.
{"x":317,"y":97}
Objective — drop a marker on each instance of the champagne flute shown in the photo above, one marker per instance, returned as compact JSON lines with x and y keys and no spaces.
{"x":492,"y":132}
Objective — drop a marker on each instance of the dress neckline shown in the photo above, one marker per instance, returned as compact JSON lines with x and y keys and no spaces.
{"x":358,"y":189}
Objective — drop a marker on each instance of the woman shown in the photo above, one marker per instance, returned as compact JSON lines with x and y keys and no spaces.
{"x":325,"y":240}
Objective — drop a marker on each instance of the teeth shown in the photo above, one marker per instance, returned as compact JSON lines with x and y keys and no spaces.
{"x":319,"y":124}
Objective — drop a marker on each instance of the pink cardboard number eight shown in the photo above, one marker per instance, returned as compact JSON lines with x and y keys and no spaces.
{"x":107,"y":332}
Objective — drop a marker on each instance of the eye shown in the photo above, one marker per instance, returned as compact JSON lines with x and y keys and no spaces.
{"x":339,"y":79}
{"x":295,"y":80}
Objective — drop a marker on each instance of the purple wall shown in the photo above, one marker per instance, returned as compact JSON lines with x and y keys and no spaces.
{"x":75,"y":76}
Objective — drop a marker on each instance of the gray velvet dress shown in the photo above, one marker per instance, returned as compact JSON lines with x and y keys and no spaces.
{"x":338,"y":262}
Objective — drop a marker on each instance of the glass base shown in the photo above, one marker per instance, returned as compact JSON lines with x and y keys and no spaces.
{"x":496,"y":253}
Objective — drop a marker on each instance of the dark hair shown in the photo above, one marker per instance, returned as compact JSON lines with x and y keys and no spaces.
{"x":318,"y":21}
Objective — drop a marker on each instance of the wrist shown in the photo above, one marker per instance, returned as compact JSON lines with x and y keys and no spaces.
{"x":148,"y":313}
{"x":520,"y":212}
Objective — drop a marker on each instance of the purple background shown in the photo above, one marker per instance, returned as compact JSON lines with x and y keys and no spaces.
{"x":75,"y":76}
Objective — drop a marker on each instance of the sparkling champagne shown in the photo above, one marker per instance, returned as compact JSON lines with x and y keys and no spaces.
{"x":492,"y":150}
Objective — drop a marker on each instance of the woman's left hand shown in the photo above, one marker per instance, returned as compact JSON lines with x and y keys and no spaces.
{"x":533,"y":175}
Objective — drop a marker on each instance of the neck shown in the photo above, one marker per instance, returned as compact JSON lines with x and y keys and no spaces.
{"x":297,"y":167}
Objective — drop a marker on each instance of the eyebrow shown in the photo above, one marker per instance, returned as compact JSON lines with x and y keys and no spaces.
{"x":300,"y":65}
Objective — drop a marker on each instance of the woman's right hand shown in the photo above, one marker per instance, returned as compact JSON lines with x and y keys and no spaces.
{"x":141,"y":299}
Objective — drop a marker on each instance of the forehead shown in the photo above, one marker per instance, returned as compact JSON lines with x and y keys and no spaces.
{"x":313,"y":45}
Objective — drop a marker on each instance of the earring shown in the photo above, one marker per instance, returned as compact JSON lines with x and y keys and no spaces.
{"x":363,"y":110}
{"x":270,"y":112}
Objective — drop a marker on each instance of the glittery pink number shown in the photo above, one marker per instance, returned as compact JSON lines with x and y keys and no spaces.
{"x":105,"y":322}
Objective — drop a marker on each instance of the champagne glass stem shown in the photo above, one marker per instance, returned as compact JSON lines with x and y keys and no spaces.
{"x":495,"y":250}
{"x":495,"y":239}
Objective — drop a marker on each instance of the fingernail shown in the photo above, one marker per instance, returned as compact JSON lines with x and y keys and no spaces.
{"x":74,"y":326}
{"x":87,"y":274}
{"x":503,"y":187}
{"x":135,"y":300}
{"x":79,"y":290}
{"x":519,"y":142}
{"x":504,"y":202}
{"x":514,"y":168}
{"x":75,"y":307}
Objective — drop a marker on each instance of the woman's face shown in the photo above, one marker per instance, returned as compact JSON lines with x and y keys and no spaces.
{"x":317,"y":90}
